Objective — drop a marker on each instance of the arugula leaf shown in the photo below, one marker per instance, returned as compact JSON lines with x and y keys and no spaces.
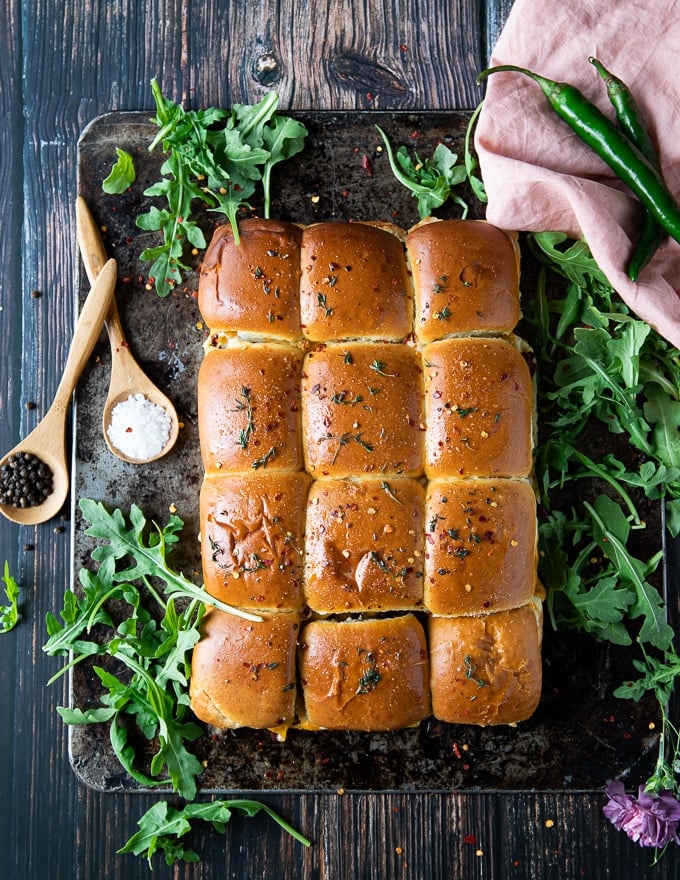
{"x":611,"y":531}
{"x":430,"y":180}
{"x":162,"y":826}
{"x":284,"y":137}
{"x":663,"y":412}
{"x":573,"y":262}
{"x":122,"y":174}
{"x":601,"y":610}
{"x":80,"y":615}
{"x":471,"y":161}
{"x":9,"y":614}
{"x":658,"y":674}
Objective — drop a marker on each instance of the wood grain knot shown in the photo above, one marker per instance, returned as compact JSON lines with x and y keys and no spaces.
{"x":367,"y":75}
{"x":266,"y":69}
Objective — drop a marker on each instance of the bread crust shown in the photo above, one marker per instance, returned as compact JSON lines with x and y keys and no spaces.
{"x":365,"y":674}
{"x":479,"y":407}
{"x":465,"y":278}
{"x":252,"y":539}
{"x":253,"y":287}
{"x":354,"y":282}
{"x":249,"y":408}
{"x":364,"y":545}
{"x":481,"y":549}
{"x":362,"y":408}
{"x":486,"y":669}
{"x":243,"y":672}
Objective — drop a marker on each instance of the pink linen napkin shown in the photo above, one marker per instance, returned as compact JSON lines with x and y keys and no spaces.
{"x":538,"y":174}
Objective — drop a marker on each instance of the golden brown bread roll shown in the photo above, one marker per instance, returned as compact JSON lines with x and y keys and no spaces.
{"x":360,"y":460}
{"x":478,"y":409}
{"x":243,"y":672}
{"x":252,"y":538}
{"x":364,"y":545}
{"x":253,"y":287}
{"x":481,"y":545}
{"x":249,"y":408}
{"x":354,"y":283}
{"x":362,"y":410}
{"x":364,"y":674}
{"x":486,"y":669}
{"x":465,"y":278}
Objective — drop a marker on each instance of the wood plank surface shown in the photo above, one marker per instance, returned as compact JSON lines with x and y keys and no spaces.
{"x":61,"y":65}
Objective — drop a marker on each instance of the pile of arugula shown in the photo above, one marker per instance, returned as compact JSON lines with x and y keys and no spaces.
{"x":215,"y":157}
{"x":109,"y":618}
{"x":598,"y":363}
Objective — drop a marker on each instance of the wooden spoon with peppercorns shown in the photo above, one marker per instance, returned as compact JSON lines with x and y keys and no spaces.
{"x":47,"y":441}
{"x":127,"y":377}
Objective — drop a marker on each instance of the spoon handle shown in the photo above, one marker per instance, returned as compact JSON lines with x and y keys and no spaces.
{"x":92,"y":248}
{"x":87,"y":332}
{"x":93,"y":254}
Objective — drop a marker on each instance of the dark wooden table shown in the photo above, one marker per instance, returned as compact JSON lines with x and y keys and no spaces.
{"x":61,"y":65}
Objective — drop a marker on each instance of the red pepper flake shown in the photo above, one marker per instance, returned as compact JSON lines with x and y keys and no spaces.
{"x":470,"y":838}
{"x":366,"y":164}
{"x":456,"y":751}
{"x":403,"y":47}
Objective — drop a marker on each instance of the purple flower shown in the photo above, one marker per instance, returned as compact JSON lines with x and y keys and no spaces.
{"x":649,"y":819}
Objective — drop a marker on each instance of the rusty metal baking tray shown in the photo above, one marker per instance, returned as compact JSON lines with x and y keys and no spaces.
{"x":580,"y":736}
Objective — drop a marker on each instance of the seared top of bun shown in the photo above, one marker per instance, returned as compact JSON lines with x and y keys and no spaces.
{"x":479,"y":407}
{"x":252,"y":287}
{"x":243,"y":672}
{"x":364,"y":545}
{"x":465,"y":278}
{"x":362,"y":410}
{"x":365,"y":674}
{"x":252,"y":538}
{"x":481,"y":552}
{"x":354,"y":283}
{"x":486,"y":669}
{"x":249,"y":408}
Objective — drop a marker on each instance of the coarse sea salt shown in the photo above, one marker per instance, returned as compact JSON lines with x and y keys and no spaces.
{"x":139,"y":428}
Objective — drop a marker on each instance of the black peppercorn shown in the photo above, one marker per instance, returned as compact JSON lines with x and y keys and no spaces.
{"x":25,"y":480}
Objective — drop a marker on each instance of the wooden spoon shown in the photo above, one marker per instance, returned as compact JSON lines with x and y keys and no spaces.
{"x":127,"y":377}
{"x":48,"y":439}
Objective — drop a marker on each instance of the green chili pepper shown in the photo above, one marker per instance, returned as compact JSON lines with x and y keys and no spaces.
{"x":610,"y":144}
{"x":631,"y":121}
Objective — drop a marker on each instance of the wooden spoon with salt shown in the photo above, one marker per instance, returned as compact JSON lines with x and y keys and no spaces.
{"x":127,"y":377}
